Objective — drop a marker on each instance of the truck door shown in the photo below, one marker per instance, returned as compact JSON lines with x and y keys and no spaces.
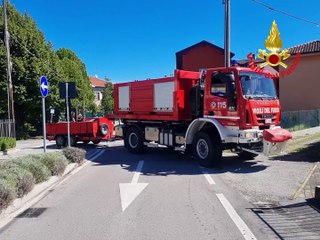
{"x":220,"y":95}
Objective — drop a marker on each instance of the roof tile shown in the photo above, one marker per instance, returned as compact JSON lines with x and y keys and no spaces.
{"x":309,"y":47}
{"x":96,"y":82}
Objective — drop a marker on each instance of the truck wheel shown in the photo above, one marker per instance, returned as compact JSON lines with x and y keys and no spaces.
{"x":103,"y":128}
{"x":60,"y":141}
{"x":73,"y":141}
{"x":247,"y":155}
{"x":207,"y":151}
{"x":134,"y":140}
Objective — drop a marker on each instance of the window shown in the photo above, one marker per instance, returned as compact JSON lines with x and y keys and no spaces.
{"x":218,"y":86}
{"x":98,"y":96}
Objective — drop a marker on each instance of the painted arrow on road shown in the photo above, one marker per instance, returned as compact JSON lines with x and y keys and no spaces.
{"x":130,"y":191}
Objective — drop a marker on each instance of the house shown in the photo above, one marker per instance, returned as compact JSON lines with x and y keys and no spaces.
{"x":201,"y":55}
{"x":299,"y":84}
{"x":98,"y":86}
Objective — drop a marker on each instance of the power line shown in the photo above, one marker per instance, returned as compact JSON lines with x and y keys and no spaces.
{"x":285,"y":13}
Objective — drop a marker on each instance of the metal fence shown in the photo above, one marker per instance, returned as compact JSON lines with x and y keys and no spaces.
{"x":7,"y":128}
{"x":298,"y":120}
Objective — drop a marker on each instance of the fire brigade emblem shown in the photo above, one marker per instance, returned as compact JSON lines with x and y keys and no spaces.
{"x":273,"y":43}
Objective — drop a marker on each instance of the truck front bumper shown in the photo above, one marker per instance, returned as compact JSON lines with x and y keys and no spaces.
{"x":266,"y":142}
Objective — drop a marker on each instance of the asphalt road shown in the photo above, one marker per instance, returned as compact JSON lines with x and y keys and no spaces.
{"x":157,"y":195}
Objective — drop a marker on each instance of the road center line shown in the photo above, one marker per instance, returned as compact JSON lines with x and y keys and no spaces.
{"x":137,"y":172}
{"x":96,"y":154}
{"x":208,"y":177}
{"x":244,"y":229}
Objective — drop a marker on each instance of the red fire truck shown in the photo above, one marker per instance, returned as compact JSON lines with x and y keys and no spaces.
{"x":204,"y":112}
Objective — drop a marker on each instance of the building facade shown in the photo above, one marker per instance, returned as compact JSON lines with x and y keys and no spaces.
{"x":98,"y":86}
{"x":201,"y":55}
{"x":299,"y":84}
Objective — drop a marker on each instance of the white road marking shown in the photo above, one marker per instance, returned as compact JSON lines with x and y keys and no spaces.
{"x":137,"y":172}
{"x":95,"y":155}
{"x":244,"y":229}
{"x":130,"y":191}
{"x":208,"y":177}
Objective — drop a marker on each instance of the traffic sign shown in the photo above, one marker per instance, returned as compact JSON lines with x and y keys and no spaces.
{"x":44,"y":89}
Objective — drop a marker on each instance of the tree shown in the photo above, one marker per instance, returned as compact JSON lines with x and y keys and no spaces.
{"x":33,"y":57}
{"x":75,"y":71}
{"x":108,"y":97}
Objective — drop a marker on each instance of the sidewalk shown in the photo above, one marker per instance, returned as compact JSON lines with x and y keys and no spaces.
{"x":313,"y":179}
{"x":30,"y":146}
{"x":306,"y":132}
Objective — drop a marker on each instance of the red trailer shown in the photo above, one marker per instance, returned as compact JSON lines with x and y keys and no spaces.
{"x":86,"y":130}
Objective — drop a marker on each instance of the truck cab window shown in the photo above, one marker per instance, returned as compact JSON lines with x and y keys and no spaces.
{"x":218,"y":86}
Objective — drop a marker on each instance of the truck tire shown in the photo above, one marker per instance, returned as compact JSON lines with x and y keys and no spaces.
{"x":207,"y":150}
{"x":60,"y":141}
{"x":134,"y":140}
{"x":103,"y":129}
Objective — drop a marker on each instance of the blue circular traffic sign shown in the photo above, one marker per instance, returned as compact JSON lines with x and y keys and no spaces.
{"x":44,"y":88}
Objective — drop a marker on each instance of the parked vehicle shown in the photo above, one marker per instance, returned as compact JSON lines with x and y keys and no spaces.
{"x":202,"y":112}
{"x":85,"y":130}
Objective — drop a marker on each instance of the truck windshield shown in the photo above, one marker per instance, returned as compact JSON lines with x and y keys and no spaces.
{"x":256,"y":86}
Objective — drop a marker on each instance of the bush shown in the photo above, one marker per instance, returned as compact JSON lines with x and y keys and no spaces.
{"x":75,"y":155}
{"x":7,"y":142}
{"x":56,"y":162}
{"x":21,"y":179}
{"x":35,"y":166}
{"x":7,"y":194}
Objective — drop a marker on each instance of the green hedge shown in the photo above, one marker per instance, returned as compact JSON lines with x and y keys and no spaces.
{"x":18,"y":176}
{"x":75,"y":155}
{"x":56,"y":162}
{"x":7,"y":142}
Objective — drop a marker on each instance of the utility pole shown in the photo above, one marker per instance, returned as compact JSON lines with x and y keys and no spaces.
{"x":9,"y":64}
{"x":227,"y":33}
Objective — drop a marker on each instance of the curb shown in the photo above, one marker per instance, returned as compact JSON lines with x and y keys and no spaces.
{"x":39,"y":191}
{"x":302,"y":186}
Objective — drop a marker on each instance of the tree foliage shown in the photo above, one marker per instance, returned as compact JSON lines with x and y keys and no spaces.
{"x":33,"y":57}
{"x":107,"y":97}
{"x":74,"y":70}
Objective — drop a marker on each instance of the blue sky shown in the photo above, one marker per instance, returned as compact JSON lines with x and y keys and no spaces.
{"x":133,"y":40}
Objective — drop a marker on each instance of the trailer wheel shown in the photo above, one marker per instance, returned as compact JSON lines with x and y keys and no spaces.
{"x":134,"y":140}
{"x":206,"y":150}
{"x":60,"y":141}
{"x":73,"y":141}
{"x":103,"y":128}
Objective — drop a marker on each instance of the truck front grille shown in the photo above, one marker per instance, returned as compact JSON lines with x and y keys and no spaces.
{"x":266,"y":118}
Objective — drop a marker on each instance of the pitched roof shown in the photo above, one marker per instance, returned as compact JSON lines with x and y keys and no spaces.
{"x":309,"y":47}
{"x":96,"y":82}
{"x":202,"y":43}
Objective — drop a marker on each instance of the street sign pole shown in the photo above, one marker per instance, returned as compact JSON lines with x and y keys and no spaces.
{"x":68,"y":117}
{"x":44,"y":124}
{"x":44,"y":89}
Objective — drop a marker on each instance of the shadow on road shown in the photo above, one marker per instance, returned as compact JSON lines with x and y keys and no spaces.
{"x":163,"y":162}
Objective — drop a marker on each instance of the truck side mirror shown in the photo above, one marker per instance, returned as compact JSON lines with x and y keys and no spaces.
{"x":231,"y":91}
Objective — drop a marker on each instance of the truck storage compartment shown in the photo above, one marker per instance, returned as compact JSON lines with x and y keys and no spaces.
{"x":156,"y":99}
